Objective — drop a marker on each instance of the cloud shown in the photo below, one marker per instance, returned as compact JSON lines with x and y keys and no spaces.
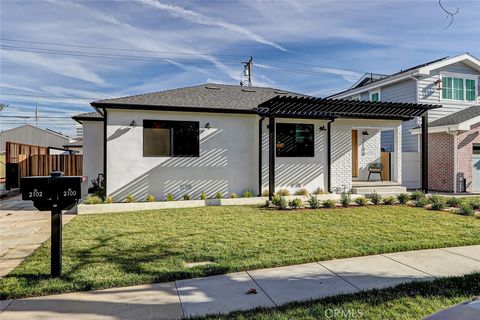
{"x":63,"y":66}
{"x":196,"y":17}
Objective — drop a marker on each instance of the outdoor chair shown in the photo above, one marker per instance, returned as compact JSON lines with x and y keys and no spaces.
{"x":375,"y":167}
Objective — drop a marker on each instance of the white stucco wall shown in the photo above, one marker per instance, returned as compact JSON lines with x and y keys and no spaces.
{"x":92,"y":149}
{"x":228,"y":159}
{"x":293,"y":173}
{"x":227,"y":163}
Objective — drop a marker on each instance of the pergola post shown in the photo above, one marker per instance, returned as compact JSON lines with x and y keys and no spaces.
{"x":271,"y":157}
{"x":425,"y":152}
{"x":329,"y":156}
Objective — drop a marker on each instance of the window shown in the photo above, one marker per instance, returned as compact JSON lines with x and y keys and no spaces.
{"x":170,"y":138}
{"x":458,"y":89}
{"x":375,"y":96}
{"x":469,"y":90}
{"x":294,"y":140}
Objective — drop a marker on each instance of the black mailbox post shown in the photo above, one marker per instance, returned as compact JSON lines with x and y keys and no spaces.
{"x":54,"y":192}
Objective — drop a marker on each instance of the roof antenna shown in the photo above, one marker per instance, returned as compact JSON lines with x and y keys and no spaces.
{"x":247,"y":72}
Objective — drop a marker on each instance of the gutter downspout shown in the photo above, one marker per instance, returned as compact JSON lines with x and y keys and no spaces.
{"x":455,"y":160}
{"x":260,"y":158}
{"x":105,"y":150}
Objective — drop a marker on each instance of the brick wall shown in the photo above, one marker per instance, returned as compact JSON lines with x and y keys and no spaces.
{"x":341,"y":166}
{"x":440,"y":161}
{"x":465,"y":148}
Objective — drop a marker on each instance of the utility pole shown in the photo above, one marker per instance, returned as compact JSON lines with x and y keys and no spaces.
{"x":36,"y":114}
{"x":247,"y":71}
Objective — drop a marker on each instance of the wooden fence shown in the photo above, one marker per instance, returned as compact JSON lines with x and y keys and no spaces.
{"x":23,"y":160}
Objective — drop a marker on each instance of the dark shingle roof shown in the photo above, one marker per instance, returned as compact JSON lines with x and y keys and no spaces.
{"x":205,"y":96}
{"x":457,"y":117}
{"x":88,"y":116}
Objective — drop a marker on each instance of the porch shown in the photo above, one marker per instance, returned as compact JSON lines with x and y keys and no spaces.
{"x":345,"y":121}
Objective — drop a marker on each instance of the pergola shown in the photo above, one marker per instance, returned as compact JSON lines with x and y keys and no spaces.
{"x":331,"y":109}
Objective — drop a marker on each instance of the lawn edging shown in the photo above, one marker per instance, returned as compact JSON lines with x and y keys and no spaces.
{"x":139,"y":206}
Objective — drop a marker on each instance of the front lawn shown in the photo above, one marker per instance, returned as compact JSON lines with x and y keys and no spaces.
{"x":407,"y":301}
{"x":122,"y":249}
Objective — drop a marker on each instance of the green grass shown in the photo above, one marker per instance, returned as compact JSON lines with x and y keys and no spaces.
{"x":407,"y":301}
{"x":121,"y":249}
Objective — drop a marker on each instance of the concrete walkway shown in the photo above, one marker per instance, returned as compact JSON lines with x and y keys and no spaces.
{"x":226,"y":293}
{"x":22,"y":229}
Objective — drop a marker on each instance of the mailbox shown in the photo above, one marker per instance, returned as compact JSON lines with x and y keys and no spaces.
{"x":47,"y":190}
{"x":54,"y":192}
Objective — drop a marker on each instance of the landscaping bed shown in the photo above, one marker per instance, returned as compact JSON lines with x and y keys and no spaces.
{"x":122,"y":249}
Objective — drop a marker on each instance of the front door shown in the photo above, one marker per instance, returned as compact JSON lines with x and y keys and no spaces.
{"x":476,"y":168}
{"x":354,"y":153}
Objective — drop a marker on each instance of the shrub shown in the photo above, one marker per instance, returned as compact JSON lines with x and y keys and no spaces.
{"x":233,"y":195}
{"x":247,"y":194}
{"x":98,"y":187}
{"x":279,"y":202}
{"x":466,"y":210}
{"x":437,"y":202}
{"x":388,"y":201}
{"x":186,"y":196}
{"x":265,"y":193}
{"x":203,"y":195}
{"x":318,"y":191}
{"x":108,"y":200}
{"x":218,"y":195}
{"x":295,"y":203}
{"x":416,"y":195}
{"x":475,"y":204}
{"x":302,"y":192}
{"x":283,"y":192}
{"x":329,"y":204}
{"x":361,"y":201}
{"x":92,"y":199}
{"x":150,"y":198}
{"x":421,"y":202}
{"x":170,"y":197}
{"x":313,"y":202}
{"x":375,"y":198}
{"x":403,"y":198}
{"x":130,"y":198}
{"x":453,"y":202}
{"x":345,"y":199}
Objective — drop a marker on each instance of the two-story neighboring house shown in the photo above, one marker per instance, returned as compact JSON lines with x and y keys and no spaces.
{"x":454,"y":129}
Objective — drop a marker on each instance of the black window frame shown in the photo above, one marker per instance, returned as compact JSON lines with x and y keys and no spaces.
{"x":303,"y":152}
{"x":174,"y":126}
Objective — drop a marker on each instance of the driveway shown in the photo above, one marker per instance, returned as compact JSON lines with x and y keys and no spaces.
{"x":22,"y":229}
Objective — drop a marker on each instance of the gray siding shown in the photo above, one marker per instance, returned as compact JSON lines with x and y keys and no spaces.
{"x":427,"y":92}
{"x":31,"y":135}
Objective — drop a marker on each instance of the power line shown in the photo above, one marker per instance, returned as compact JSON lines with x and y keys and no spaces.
{"x":39,"y":117}
{"x":46,"y":96}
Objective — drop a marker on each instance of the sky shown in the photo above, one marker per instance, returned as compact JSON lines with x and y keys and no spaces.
{"x":60,"y":55}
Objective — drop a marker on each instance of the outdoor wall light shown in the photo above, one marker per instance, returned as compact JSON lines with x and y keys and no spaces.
{"x":133,"y":123}
{"x":439,"y":84}
{"x":322,"y":128}
{"x":207,"y":125}
{"x":365,"y":133}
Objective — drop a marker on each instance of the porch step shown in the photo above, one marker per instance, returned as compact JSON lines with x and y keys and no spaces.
{"x":382,"y":190}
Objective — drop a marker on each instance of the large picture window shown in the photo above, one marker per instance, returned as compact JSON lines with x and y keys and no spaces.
{"x":170,"y":138}
{"x":294,"y":140}
{"x":458,"y":89}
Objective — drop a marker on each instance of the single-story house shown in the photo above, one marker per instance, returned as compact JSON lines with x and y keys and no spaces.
{"x":228,"y":138}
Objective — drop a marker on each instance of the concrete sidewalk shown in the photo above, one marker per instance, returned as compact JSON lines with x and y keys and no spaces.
{"x":226,"y":293}
{"x":22,"y":230}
